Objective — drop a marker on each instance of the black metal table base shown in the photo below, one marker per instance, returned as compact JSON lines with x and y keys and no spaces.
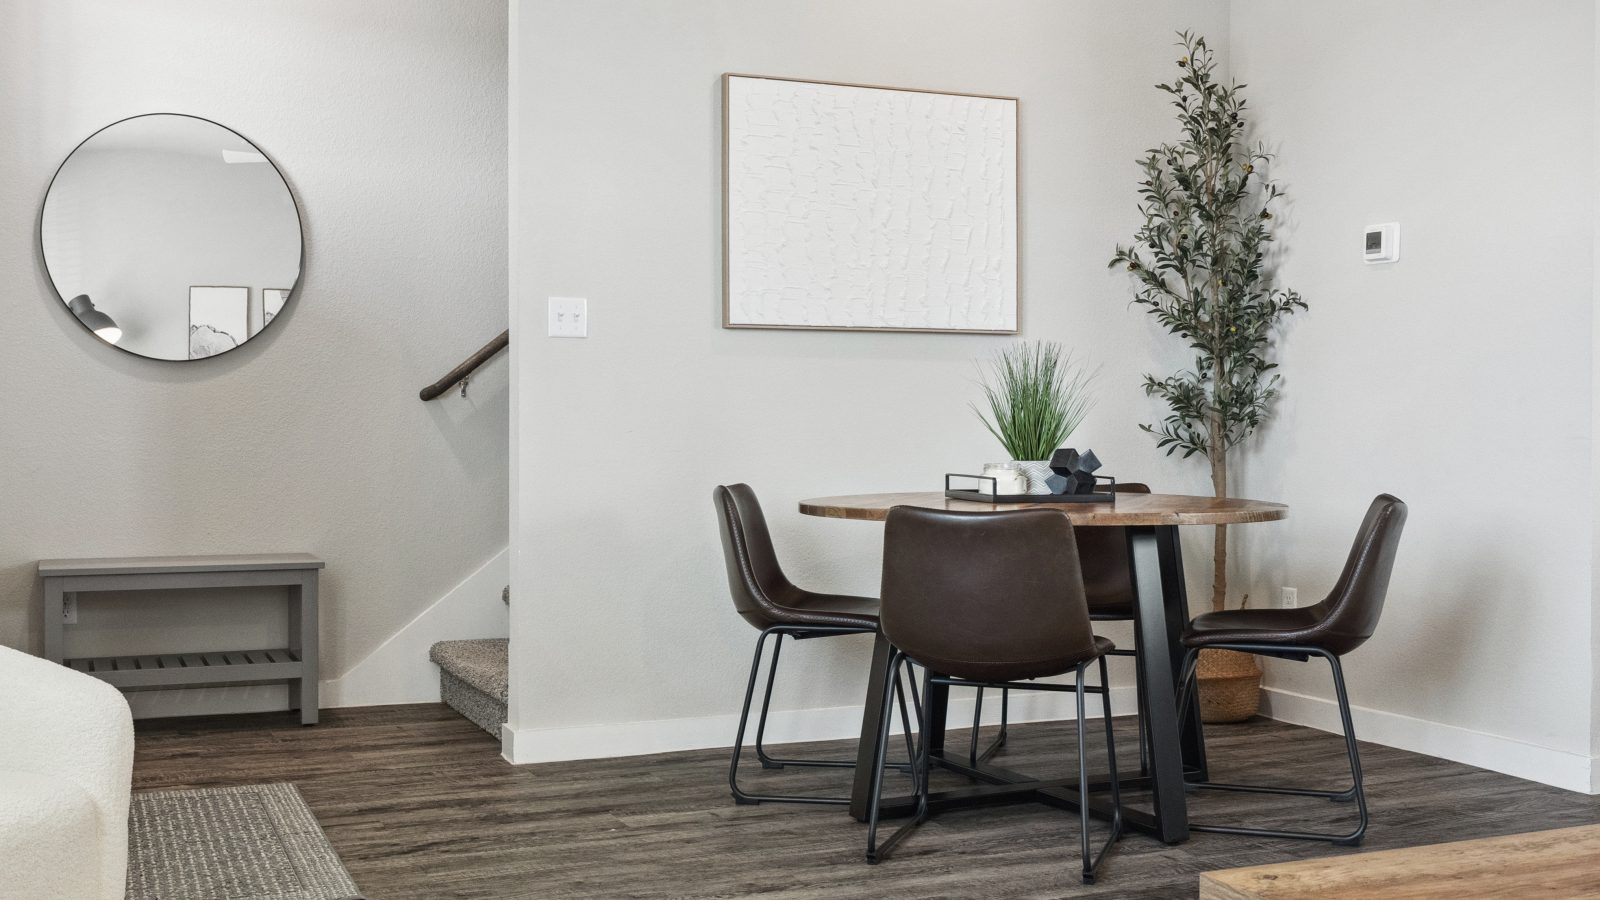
{"x":1001,"y":786}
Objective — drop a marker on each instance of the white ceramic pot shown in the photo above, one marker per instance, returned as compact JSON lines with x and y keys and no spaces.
{"x":1037,"y":471}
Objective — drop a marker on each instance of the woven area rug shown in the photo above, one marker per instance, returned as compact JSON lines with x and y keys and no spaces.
{"x":257,"y":842}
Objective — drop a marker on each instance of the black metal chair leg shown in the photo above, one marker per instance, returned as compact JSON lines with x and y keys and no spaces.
{"x":976,"y":756}
{"x":876,"y":789}
{"x":1357,"y":787}
{"x":1356,"y":791}
{"x":977,"y":719}
{"x":1005,"y":719}
{"x":744,"y":797}
{"x":1084,"y":855}
{"x":1143,"y":713}
{"x":768,"y":762}
{"x":1186,"y":685}
{"x":1091,"y":860}
{"x":1111,"y":753}
{"x":920,"y":776}
{"x":740,"y":796}
{"x":905,"y":722}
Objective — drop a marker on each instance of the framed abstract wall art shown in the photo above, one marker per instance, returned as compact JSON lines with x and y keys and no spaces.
{"x":218,"y":319}
{"x":272,"y":301}
{"x":853,"y":207}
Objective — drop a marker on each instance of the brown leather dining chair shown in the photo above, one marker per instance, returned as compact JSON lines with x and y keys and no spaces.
{"x":1108,"y":586}
{"x":1330,"y":629}
{"x":989,"y":600}
{"x":768,"y":600}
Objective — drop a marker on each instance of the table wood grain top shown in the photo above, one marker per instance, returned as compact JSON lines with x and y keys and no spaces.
{"x":158,"y":565}
{"x":1130,"y":509}
{"x":1552,"y":864}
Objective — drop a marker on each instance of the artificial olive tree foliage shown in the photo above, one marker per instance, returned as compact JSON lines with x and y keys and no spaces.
{"x":1199,"y":267}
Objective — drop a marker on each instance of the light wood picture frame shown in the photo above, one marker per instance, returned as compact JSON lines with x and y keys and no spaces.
{"x":850,"y":207}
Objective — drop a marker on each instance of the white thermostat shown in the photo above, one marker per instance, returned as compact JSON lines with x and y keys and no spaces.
{"x":1382,"y":243}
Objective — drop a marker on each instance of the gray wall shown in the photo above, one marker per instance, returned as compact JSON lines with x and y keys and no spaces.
{"x":388,"y":119}
{"x":616,"y":197}
{"x":1473,"y":126}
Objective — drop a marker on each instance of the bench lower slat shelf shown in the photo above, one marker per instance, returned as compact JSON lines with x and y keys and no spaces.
{"x":169,"y":670}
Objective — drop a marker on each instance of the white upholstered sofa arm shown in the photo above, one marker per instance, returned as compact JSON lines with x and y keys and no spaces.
{"x":63,"y":727}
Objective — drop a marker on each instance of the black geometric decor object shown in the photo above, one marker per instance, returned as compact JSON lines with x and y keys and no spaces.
{"x":1074,"y":471}
{"x":1064,"y":461}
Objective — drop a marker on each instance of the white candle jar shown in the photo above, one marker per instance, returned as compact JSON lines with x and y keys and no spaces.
{"x":1008,"y":479}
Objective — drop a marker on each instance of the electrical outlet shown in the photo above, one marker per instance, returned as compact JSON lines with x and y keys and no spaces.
{"x":569,"y":317}
{"x":69,"y":609}
{"x":1288,"y":599}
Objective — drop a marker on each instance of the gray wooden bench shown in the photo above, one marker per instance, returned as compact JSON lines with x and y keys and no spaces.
{"x":295,"y":663}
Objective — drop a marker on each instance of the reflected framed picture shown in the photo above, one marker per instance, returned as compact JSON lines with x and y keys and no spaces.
{"x":857,"y":207}
{"x":272,"y":301}
{"x":219,"y":318}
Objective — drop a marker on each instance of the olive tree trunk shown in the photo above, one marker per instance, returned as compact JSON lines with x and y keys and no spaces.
{"x":1218,"y":454}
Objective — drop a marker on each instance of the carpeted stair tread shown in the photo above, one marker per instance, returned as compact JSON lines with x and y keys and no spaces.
{"x":481,"y":664}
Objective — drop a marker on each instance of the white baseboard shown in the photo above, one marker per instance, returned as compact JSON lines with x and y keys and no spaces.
{"x":537,"y":745}
{"x":1570,"y":771}
{"x":399,"y":671}
{"x":1558,"y":768}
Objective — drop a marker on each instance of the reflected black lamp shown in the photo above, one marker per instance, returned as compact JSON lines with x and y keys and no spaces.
{"x":98,"y":322}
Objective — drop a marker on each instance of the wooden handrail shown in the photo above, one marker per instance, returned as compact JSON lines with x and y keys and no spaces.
{"x":460,"y":373}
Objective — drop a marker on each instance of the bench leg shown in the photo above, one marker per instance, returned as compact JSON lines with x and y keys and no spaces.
{"x":303,"y":636}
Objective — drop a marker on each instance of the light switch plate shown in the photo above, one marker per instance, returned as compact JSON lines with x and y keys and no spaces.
{"x":569,"y":317}
{"x":69,"y":609}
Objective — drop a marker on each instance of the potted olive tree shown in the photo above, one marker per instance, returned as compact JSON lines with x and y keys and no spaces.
{"x":1199,"y":265}
{"x":1036,"y":396}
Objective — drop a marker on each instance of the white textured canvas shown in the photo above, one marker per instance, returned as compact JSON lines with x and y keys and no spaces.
{"x":863,"y":207}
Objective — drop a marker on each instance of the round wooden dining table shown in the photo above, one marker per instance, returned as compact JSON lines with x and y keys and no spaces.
{"x":1151,"y":523}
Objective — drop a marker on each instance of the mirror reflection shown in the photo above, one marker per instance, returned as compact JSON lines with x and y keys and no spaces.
{"x":171,"y":237}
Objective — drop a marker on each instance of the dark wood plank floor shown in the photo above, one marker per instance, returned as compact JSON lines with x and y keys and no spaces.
{"x":419,"y":804}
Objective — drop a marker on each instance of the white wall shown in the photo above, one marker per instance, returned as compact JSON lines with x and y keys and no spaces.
{"x":399,"y":670}
{"x":388,"y":121}
{"x":1459,"y":379}
{"x":626,"y":638}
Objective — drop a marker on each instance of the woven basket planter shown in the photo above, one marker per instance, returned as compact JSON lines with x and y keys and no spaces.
{"x":1230,"y":686}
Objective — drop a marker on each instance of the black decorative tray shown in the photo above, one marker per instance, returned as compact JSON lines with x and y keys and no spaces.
{"x":1105,"y":491}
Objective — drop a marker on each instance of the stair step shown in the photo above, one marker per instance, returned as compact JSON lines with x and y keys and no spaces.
{"x":473,"y":677}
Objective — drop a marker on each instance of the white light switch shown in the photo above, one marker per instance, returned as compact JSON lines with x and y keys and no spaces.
{"x":569,"y":317}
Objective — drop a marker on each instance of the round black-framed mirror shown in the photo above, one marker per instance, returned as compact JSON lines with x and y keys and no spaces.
{"x":171,"y":237}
